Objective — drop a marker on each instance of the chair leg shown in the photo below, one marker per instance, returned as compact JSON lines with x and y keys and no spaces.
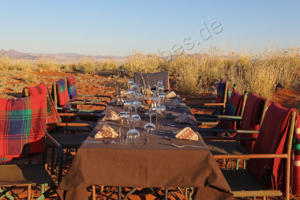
{"x":237,"y":164}
{"x":94,"y":192}
{"x":6,"y":194}
{"x":191,"y":193}
{"x":130,"y":193}
{"x":29,"y":192}
{"x":166,"y":193}
{"x":120,"y":193}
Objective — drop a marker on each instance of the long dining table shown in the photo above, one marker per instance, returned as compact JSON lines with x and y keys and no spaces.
{"x":152,"y":160}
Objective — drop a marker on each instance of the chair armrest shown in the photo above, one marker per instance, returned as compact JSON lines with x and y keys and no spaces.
{"x":247,"y":131}
{"x":62,"y":124}
{"x":227,"y":130}
{"x":214,"y":104}
{"x":229,"y":117}
{"x":87,"y":103}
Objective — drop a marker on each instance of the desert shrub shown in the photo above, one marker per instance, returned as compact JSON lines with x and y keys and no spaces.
{"x":86,"y":66}
{"x":30,"y":78}
{"x":7,"y":63}
{"x":20,"y":65}
{"x":256,"y":73}
{"x":4,"y":62}
{"x":109,"y":65}
{"x":142,"y":63}
{"x":47,"y":65}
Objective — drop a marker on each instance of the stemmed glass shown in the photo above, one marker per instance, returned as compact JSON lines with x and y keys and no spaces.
{"x":150,"y":127}
{"x":133,"y":133}
{"x":124,"y":118}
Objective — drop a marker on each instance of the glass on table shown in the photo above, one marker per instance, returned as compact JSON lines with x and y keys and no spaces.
{"x":127,"y":105}
{"x":160,"y":83}
{"x":123,"y":124}
{"x":133,"y":133}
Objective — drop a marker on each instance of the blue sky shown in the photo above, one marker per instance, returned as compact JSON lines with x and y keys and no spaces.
{"x":124,"y":27}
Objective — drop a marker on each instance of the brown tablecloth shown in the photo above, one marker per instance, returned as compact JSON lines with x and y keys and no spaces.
{"x":149,"y":162}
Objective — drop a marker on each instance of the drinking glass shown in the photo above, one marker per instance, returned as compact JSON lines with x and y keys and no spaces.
{"x":124,"y":122}
{"x":133,"y":133}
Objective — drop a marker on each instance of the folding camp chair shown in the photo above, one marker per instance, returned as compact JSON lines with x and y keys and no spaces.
{"x":63,"y":103}
{"x":266,"y":173}
{"x":74,"y":96}
{"x":53,"y":117}
{"x":69,"y":134}
{"x":149,"y":80}
{"x":220,"y":101}
{"x":232,"y":116}
{"x":254,"y":112}
{"x":22,"y":146}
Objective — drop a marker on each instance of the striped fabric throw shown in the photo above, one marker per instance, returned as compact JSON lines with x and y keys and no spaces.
{"x":22,"y":126}
{"x":62,"y":93}
{"x":52,"y":114}
{"x":296,"y":164}
{"x":71,"y":84}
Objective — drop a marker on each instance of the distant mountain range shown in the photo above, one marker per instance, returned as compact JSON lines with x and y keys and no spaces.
{"x":61,"y":57}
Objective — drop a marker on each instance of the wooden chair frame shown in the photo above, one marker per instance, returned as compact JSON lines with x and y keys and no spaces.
{"x":287,"y":155}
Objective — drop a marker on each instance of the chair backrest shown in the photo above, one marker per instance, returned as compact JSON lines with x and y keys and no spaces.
{"x":234,"y":107}
{"x":52,"y":114}
{"x":149,"y":80}
{"x":222,"y":92}
{"x":275,"y":137}
{"x":60,"y":94}
{"x":71,"y":85}
{"x":254,"y":112}
{"x":22,"y":127}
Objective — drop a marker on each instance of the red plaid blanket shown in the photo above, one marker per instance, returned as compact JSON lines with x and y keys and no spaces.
{"x":62,"y":93}
{"x":52,"y":114}
{"x":272,"y":139}
{"x":251,"y":118}
{"x":71,"y":83}
{"x":22,"y":126}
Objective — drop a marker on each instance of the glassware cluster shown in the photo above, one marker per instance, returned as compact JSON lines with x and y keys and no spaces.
{"x":152,"y":99}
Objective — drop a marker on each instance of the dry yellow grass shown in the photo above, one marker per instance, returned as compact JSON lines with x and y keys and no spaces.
{"x":193,"y":73}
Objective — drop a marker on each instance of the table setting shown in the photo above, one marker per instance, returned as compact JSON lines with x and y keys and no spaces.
{"x":146,"y":138}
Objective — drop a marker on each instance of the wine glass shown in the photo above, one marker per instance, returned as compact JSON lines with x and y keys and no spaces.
{"x":133,"y":133}
{"x":127,"y":105}
{"x":136,"y":104}
{"x":150,"y":126}
{"x":124,"y":121}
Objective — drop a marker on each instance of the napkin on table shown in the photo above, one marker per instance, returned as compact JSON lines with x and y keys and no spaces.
{"x":171,"y":95}
{"x":188,"y":134}
{"x":111,"y":116}
{"x":106,"y":132}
